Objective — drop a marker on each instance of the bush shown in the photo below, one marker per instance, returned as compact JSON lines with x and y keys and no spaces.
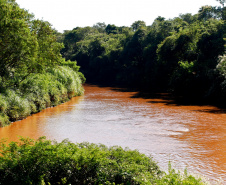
{"x":3,"y":103}
{"x":33,"y":162}
{"x":46,"y":162}
{"x":18,"y":107}
{"x":71,"y":64}
{"x":4,"y":120}
{"x":69,"y":79}
{"x":52,"y":88}
{"x":39,"y":91}
{"x":36,"y":89}
{"x":174,"y":177}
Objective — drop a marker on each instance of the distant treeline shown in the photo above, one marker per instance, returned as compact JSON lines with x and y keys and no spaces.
{"x":184,"y":55}
{"x":33,"y":74}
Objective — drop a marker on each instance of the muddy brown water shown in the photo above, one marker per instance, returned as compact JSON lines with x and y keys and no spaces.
{"x":192,"y":137}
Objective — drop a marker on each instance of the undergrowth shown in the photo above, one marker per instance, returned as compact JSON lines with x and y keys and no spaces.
{"x":46,"y":162}
{"x":39,"y":91}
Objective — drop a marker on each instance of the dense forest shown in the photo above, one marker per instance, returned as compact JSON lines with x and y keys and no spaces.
{"x":184,"y":55}
{"x":33,"y":74}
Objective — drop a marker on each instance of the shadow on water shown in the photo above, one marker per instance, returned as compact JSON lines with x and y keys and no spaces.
{"x":169,"y":99}
{"x":172,"y":100}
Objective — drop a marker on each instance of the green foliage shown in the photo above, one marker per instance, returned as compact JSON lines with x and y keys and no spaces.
{"x":208,"y":12}
{"x":221,"y":68}
{"x":111,"y":29}
{"x":26,"y":45}
{"x":138,"y":24}
{"x":3,"y":103}
{"x":30,"y":62}
{"x":39,"y":91}
{"x":100,"y":27}
{"x":36,"y":89}
{"x":179,"y":55}
{"x":69,"y":79}
{"x":71,"y":64}
{"x":174,"y":177}
{"x":4,"y":120}
{"x":222,"y":65}
{"x":18,"y":107}
{"x":46,"y":162}
{"x":18,"y":45}
{"x":48,"y":54}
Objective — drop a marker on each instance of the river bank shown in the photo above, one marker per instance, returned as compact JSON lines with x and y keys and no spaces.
{"x":39,"y":91}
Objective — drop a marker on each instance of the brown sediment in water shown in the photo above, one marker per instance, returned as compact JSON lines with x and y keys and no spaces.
{"x":189,"y":136}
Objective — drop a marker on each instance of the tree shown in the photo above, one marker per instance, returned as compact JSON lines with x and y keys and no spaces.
{"x":221,"y":67}
{"x":71,"y":38}
{"x":26,"y":45}
{"x":221,"y":2}
{"x":100,"y":27}
{"x":111,"y":28}
{"x":208,"y":12}
{"x":18,"y":45}
{"x":138,"y":24}
{"x":188,"y":17}
{"x":48,"y":49}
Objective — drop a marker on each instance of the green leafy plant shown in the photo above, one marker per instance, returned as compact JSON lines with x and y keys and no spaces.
{"x":46,"y":162}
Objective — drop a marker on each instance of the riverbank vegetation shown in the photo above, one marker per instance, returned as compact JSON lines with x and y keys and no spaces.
{"x":184,"y":55}
{"x":33,"y":74}
{"x":46,"y":162}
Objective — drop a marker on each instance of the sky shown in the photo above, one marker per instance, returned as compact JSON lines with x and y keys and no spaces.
{"x":69,"y":14}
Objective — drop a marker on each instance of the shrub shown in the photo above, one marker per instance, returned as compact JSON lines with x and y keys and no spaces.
{"x":3,"y":103}
{"x":18,"y":107}
{"x":69,"y":79}
{"x":174,"y":177}
{"x":36,"y":89}
{"x":39,"y":91}
{"x":71,"y":64}
{"x":33,"y":162}
{"x":46,"y":162}
{"x":4,"y":120}
{"x":51,"y":88}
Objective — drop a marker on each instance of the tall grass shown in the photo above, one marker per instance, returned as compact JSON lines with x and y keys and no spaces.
{"x":18,"y":107}
{"x":4,"y":119}
{"x":69,"y":79}
{"x":39,"y":91}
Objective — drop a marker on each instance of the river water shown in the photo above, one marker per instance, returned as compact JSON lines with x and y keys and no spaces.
{"x":192,"y":137}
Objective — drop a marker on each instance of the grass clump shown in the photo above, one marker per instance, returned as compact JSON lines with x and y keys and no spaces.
{"x":46,"y":162}
{"x":4,"y":119}
{"x":39,"y":91}
{"x":18,"y":107}
{"x":69,"y":79}
{"x":176,"y":177}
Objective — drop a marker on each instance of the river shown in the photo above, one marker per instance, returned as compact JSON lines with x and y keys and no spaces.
{"x":192,"y":137}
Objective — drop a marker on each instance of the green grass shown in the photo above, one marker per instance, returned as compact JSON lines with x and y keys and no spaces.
{"x":39,"y":91}
{"x":46,"y":162}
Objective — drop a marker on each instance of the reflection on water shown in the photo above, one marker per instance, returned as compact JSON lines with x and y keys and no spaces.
{"x":34,"y":126}
{"x":188,"y":136}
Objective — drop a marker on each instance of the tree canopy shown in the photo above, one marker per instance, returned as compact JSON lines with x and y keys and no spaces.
{"x":26,"y":45}
{"x":179,"y":55}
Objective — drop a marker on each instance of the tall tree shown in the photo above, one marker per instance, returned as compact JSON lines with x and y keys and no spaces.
{"x":100,"y":26}
{"x":18,"y":45}
{"x":48,"y":49}
{"x":138,"y":24}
